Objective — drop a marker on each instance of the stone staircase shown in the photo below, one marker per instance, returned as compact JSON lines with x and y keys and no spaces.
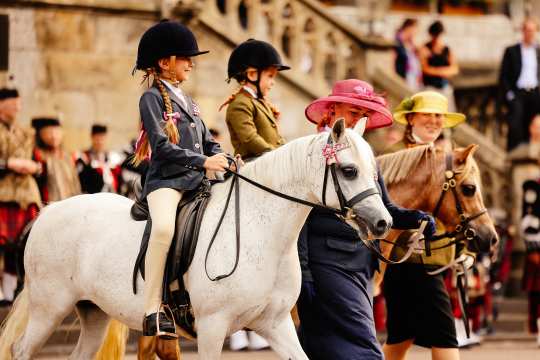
{"x":511,"y":323}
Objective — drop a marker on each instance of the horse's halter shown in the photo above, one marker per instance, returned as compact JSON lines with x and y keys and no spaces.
{"x":463,"y":230}
{"x":346,"y":206}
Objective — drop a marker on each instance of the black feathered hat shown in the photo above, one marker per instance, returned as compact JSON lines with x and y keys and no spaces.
{"x":99,"y":129}
{"x":164,"y":39}
{"x":41,"y":122}
{"x":6,"y":93}
{"x":253,"y":53}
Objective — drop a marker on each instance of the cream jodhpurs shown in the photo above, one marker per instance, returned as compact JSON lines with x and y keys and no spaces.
{"x":162,"y":204}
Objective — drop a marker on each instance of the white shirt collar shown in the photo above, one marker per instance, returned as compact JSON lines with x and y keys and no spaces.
{"x":251,"y":91}
{"x":177,"y":91}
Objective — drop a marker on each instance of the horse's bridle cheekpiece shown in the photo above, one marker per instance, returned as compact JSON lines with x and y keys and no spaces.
{"x":462,"y":231}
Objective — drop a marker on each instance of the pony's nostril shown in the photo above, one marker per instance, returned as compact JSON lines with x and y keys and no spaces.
{"x":382,"y":226}
{"x":494,"y":241}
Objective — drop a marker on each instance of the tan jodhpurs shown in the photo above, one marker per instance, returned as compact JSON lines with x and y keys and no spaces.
{"x":162,"y":204}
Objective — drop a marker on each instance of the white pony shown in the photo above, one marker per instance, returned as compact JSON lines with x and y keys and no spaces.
{"x":80,"y":255}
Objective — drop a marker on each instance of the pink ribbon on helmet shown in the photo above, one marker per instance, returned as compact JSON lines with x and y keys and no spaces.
{"x":167,"y":117}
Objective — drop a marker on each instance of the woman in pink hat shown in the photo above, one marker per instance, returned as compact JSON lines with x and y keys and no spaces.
{"x":335,"y":303}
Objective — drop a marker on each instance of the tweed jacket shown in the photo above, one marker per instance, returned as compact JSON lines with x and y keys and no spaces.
{"x":252,"y":126}
{"x":177,"y":166}
{"x":17,"y":142}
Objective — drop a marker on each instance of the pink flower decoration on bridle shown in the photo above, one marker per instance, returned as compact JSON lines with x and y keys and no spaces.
{"x":330,"y":152}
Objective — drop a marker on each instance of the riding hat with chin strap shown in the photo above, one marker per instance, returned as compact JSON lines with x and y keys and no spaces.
{"x":256,"y":54}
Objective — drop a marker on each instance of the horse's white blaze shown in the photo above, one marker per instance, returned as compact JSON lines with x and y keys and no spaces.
{"x":84,"y":248}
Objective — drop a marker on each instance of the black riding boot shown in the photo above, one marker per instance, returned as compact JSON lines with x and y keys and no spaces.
{"x":162,"y":326}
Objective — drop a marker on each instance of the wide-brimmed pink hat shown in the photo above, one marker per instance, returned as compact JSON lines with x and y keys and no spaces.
{"x":355,"y":92}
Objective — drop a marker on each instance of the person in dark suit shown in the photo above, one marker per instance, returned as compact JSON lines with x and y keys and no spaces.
{"x":179,"y":147}
{"x":336,"y":300}
{"x":519,"y":80}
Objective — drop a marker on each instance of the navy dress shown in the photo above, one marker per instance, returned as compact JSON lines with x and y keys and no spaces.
{"x":336,"y":301}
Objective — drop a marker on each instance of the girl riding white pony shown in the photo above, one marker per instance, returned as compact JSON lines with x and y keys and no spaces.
{"x":80,"y":254}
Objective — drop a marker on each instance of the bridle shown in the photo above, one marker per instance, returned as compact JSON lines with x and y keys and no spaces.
{"x":463,"y":231}
{"x":346,"y":206}
{"x":345,"y":212}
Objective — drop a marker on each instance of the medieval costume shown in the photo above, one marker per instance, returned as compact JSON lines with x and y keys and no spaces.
{"x":530,"y":228}
{"x":58,"y":179}
{"x":19,"y":193}
{"x":99,"y":171}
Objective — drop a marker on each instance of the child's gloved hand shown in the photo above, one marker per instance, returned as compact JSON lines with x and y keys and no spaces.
{"x":216,"y":162}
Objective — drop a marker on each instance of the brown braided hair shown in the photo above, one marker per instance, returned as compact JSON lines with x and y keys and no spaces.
{"x":143,"y":149}
{"x":232,"y":97}
{"x":408,"y":137}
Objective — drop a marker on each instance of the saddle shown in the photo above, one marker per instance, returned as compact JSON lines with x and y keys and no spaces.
{"x":189,"y":216}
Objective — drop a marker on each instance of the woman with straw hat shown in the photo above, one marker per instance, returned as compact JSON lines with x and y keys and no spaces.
{"x":335,"y":304}
{"x":425,"y":116}
{"x":418,"y":306}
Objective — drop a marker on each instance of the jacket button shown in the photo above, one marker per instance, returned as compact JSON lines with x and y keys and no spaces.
{"x":192,"y":125}
{"x":274,"y":125}
{"x":197,"y":146}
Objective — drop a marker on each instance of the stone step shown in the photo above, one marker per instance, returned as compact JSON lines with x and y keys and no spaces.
{"x":513,"y":305}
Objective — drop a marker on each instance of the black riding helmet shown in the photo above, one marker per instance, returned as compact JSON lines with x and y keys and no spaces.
{"x":253,"y":53}
{"x":164,"y":39}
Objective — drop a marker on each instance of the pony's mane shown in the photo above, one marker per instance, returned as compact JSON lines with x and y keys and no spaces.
{"x":268,"y":166}
{"x":397,"y":166}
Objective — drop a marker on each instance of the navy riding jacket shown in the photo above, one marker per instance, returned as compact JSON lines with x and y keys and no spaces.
{"x":325,"y":239}
{"x":177,"y":166}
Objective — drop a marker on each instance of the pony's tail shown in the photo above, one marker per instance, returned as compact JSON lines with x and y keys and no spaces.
{"x":14,"y":324}
{"x":114,"y":345}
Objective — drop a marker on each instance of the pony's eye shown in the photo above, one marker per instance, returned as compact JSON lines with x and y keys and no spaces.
{"x":349,"y":172}
{"x":468,"y":190}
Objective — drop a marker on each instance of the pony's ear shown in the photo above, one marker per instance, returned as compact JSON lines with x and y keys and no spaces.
{"x":463,"y":154}
{"x":338,"y":130}
{"x":360,"y":126}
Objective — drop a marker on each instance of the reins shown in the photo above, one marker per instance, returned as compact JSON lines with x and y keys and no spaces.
{"x":345,"y":212}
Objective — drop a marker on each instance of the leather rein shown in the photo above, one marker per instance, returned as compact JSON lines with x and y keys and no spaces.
{"x":345,"y":212}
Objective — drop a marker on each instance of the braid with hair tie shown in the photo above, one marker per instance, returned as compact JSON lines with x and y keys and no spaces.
{"x":170,"y":127}
{"x":232,"y":97}
{"x":142,"y":151}
{"x":408,"y":136}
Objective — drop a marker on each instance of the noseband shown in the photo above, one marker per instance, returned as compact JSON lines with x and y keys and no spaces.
{"x":463,"y":231}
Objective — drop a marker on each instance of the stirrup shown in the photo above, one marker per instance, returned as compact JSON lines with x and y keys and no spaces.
{"x":165,"y":334}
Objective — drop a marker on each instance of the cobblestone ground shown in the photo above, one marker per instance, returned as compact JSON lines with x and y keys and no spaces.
{"x":502,"y":350}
